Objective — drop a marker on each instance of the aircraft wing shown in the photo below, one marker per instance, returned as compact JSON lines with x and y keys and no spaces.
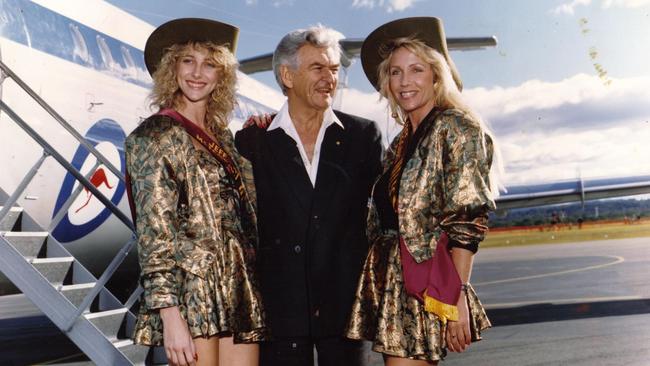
{"x":352,"y":47}
{"x":578,"y":190}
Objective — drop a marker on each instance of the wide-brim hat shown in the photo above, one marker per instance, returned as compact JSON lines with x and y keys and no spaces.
{"x":426,"y":29}
{"x":184,"y":30}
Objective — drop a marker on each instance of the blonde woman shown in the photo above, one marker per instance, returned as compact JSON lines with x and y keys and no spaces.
{"x":192,"y":197}
{"x":430,"y":206}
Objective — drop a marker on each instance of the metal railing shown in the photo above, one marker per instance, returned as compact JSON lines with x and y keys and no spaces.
{"x":49,"y":151}
{"x":7,"y":72}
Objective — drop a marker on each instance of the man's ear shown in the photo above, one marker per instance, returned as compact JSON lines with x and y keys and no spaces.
{"x":287,"y":76}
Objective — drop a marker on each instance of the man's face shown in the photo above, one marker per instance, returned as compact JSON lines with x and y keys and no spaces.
{"x":313,"y":83}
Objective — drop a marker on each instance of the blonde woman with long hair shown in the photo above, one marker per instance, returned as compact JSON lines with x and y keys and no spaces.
{"x":430,"y":206}
{"x":193,"y":198}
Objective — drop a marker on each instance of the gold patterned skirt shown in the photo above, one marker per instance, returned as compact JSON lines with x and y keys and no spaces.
{"x":226,"y":302}
{"x":395,"y":322}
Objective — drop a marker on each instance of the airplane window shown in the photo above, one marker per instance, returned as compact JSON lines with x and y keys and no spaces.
{"x":107,"y":57}
{"x":80,"y":48}
{"x":237,"y":112}
{"x":131,"y":68}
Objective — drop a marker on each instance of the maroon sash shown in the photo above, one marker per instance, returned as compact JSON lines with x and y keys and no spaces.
{"x":213,"y":147}
{"x":210,"y":144}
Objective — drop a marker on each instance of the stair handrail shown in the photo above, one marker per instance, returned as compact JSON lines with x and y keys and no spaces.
{"x":6,"y":71}
{"x":48,"y":150}
{"x":66,"y":165}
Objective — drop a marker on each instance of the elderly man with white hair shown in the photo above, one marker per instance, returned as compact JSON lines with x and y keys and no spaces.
{"x":314,"y":168}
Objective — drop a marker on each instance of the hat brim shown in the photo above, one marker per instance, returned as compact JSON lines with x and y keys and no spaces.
{"x":184,"y":30}
{"x":426,"y":29}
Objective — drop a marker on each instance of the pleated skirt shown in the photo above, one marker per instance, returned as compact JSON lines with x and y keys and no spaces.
{"x":395,"y":322}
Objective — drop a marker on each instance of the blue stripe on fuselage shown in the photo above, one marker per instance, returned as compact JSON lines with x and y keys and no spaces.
{"x":42,"y":29}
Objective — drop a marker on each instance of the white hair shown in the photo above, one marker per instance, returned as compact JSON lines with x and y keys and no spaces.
{"x":286,"y":53}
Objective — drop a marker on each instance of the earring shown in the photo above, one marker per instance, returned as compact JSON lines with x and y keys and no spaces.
{"x":396,"y":117}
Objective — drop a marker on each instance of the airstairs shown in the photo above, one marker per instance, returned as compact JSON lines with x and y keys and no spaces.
{"x":67,"y":293}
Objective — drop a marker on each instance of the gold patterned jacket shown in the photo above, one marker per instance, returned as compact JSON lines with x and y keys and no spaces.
{"x":178,"y":221}
{"x":444,"y":186}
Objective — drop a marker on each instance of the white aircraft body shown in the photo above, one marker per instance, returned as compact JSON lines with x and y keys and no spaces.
{"x":85,"y":59}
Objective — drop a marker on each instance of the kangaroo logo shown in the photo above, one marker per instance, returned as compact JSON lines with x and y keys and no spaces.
{"x":86,"y":213}
{"x":98,"y":180}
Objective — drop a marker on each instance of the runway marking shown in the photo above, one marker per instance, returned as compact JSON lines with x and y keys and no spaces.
{"x":562,"y":301}
{"x":616,"y":261}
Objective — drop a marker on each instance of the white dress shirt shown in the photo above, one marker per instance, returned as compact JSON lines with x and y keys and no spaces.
{"x":283,"y":120}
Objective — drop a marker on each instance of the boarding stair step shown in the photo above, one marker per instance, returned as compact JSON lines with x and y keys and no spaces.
{"x":76,"y":293}
{"x":11,"y":222}
{"x":136,"y":353}
{"x":109,"y":322}
{"x":54,"y":269}
{"x":29,"y":244}
{"x":59,"y":303}
{"x":55,"y":282}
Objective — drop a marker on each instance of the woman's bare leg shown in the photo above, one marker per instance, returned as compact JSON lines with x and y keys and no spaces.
{"x":207,"y":350}
{"x":244,"y":354}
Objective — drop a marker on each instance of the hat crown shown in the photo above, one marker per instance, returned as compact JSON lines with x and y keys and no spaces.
{"x":429,"y":30}
{"x":185,"y":30}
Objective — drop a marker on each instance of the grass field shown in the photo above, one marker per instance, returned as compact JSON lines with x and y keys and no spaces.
{"x":546,"y":235}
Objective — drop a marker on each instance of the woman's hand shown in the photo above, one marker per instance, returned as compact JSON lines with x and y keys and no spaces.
{"x":261,"y":121}
{"x":458,"y":333}
{"x":177,"y":340}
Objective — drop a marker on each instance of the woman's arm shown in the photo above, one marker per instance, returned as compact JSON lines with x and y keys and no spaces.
{"x":458,"y":332}
{"x":150,"y":164}
{"x":467,"y":200}
{"x":155,"y":197}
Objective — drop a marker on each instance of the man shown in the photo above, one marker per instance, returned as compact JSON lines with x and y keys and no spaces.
{"x":314,"y":168}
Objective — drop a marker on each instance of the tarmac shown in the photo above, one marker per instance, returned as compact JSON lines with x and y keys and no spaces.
{"x":555,"y":304}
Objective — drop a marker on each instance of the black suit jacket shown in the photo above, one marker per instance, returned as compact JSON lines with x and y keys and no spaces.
{"x":312,"y":239}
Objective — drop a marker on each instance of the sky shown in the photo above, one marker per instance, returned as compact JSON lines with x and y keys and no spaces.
{"x":566,"y":91}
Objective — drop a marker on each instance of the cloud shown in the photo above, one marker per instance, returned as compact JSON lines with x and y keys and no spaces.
{"x":388,"y":5}
{"x":578,"y":103}
{"x":569,"y":8}
{"x":251,"y":2}
{"x":279,"y":3}
{"x":552,"y":130}
{"x":625,"y":3}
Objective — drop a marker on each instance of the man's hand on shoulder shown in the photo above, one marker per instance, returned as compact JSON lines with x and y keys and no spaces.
{"x":246,"y":138}
{"x":262,"y":120}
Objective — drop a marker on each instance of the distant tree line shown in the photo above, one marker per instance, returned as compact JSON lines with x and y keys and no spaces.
{"x":610,"y":209}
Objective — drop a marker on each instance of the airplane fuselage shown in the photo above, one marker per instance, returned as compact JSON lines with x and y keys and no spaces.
{"x":99,"y":84}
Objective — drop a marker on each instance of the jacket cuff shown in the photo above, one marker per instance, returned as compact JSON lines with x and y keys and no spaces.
{"x":471,"y":246}
{"x":160,"y":290}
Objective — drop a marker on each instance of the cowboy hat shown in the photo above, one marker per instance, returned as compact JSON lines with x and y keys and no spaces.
{"x":184,"y":30}
{"x":426,"y":29}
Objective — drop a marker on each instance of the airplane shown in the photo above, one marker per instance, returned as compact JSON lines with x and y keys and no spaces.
{"x":93,"y":71}
{"x":97,"y":79}
{"x":85,"y":69}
